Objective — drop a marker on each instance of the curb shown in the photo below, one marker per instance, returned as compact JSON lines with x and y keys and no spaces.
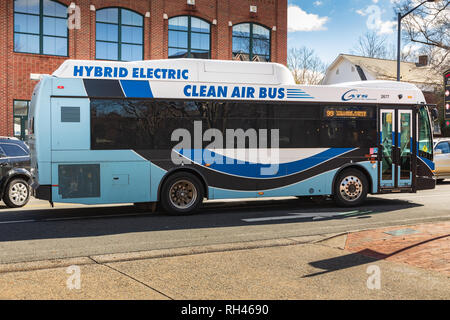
{"x":44,"y":264}
{"x":154,"y":254}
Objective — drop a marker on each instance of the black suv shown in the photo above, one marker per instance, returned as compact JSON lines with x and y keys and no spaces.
{"x":14,"y":172}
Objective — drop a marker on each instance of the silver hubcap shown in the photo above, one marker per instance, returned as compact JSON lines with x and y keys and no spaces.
{"x":18,"y":193}
{"x":351,"y":188}
{"x":183,"y":194}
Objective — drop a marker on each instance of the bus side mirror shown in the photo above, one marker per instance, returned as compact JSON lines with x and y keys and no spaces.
{"x":435,"y":113}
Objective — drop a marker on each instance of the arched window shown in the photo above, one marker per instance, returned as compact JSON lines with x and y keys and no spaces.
{"x":119,"y":35}
{"x":251,"y":42}
{"x":40,"y":27}
{"x":189,"y":37}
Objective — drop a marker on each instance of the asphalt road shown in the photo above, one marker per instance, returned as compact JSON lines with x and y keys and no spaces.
{"x":38,"y":232}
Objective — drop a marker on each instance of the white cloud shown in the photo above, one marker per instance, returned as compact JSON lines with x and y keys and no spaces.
{"x":361,"y":12}
{"x":318,"y":3}
{"x":299,"y":20}
{"x":385,"y":27}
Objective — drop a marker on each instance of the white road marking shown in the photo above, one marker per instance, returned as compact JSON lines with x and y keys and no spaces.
{"x":297,"y":215}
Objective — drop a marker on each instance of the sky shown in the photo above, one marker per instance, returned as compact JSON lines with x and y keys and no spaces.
{"x":331,"y":27}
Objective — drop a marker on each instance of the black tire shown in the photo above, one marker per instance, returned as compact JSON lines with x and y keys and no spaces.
{"x":17,"y":193}
{"x":182,"y":194}
{"x":351,"y":188}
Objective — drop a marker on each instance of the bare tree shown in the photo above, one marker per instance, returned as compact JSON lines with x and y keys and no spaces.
{"x":372,"y":45}
{"x":306,"y":66}
{"x":429,"y":25}
{"x":409,"y":52}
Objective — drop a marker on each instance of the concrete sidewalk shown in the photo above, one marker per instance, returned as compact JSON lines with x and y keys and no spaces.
{"x":315,"y":267}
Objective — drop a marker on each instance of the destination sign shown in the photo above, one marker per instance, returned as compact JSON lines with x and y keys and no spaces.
{"x":346,"y":113}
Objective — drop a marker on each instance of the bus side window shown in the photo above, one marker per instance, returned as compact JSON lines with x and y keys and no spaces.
{"x":70,"y":114}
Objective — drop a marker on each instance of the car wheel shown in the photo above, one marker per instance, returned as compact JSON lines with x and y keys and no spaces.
{"x":351,"y":188}
{"x":181,"y":194}
{"x":17,"y":193}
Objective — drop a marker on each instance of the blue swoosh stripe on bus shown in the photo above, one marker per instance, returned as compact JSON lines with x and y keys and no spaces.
{"x":253,"y":170}
{"x":303,"y":97}
{"x":136,"y":89}
{"x":429,"y":163}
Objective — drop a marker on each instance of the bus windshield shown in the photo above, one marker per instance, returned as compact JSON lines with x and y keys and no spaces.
{"x":425,"y":138}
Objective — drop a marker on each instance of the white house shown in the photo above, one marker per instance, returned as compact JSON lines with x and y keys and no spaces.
{"x":347,"y":68}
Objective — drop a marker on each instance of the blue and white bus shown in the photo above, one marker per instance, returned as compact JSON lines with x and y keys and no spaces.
{"x":180,"y":131}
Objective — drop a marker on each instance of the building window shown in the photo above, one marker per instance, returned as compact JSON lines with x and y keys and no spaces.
{"x":20,"y":118}
{"x":40,"y":27}
{"x":189,"y":37}
{"x":119,"y":35}
{"x":251,"y":42}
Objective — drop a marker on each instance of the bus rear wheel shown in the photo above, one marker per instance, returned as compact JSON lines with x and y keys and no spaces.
{"x":182,"y":194}
{"x":351,"y":188}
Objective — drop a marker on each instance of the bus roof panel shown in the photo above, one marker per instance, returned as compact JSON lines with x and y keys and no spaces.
{"x":192,"y":70}
{"x":216,"y":79}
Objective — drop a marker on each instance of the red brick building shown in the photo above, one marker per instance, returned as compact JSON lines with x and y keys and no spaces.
{"x":36,"y":36}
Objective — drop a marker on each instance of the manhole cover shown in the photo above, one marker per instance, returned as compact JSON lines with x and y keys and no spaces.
{"x":402,"y":232}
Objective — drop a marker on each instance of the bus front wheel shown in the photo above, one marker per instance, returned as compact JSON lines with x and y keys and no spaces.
{"x":351,"y":188}
{"x":181,"y":194}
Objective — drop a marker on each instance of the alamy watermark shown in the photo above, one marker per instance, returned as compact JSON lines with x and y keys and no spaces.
{"x":374,"y":17}
{"x":74,"y":280}
{"x":374,"y":280}
{"x":374,"y":20}
{"x":74,"y":17}
{"x":235,"y":146}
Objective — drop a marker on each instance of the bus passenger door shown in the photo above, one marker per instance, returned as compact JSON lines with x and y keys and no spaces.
{"x":404,"y":147}
{"x":387,"y":143}
{"x":396,"y":141}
